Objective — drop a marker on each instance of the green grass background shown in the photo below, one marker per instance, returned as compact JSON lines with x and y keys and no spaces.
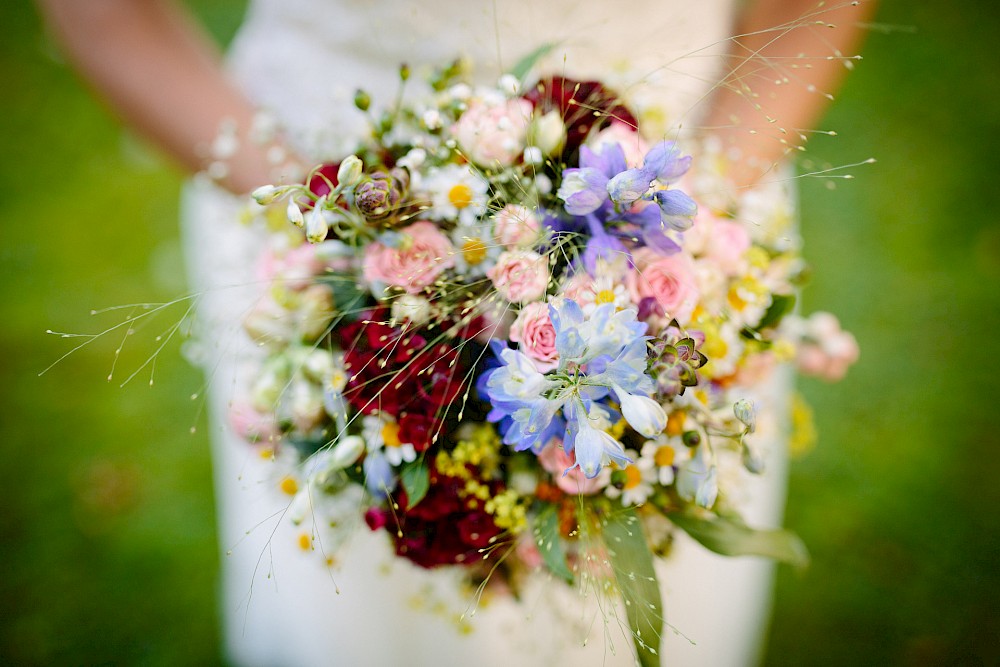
{"x":106,"y":520}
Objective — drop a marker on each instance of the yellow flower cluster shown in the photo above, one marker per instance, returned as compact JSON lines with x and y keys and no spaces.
{"x":479,"y":451}
{"x":508,"y":511}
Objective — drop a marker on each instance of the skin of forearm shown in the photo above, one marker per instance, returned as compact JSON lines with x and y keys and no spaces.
{"x":786,"y":61}
{"x":163,"y":76}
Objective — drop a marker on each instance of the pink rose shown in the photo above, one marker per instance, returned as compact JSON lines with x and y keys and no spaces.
{"x":520,"y":275}
{"x":535,"y":335}
{"x":556,"y":461}
{"x":727,"y":244}
{"x":493,"y":133}
{"x":670,"y":280}
{"x":420,"y":258}
{"x":516,"y":226}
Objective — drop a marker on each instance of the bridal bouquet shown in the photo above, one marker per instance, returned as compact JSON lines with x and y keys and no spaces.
{"x":517,"y":334}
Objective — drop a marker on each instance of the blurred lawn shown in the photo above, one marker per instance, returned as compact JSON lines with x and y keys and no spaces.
{"x":107,"y":531}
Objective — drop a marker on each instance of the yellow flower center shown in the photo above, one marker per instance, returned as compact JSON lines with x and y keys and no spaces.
{"x":715,"y":346}
{"x":604,"y":296}
{"x":474,"y":251}
{"x":735,"y":300}
{"x":289,"y":486}
{"x":675,"y":423}
{"x":305,"y":542}
{"x":664,"y":456}
{"x":633,"y":477}
{"x":390,"y":434}
{"x":460,"y":195}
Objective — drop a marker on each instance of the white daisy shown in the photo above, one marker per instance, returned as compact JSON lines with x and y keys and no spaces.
{"x":476,"y":250}
{"x":381,"y":435}
{"x":639,"y":477}
{"x":455,"y":192}
{"x":665,"y":453}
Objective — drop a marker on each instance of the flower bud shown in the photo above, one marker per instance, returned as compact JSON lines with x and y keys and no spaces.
{"x":306,"y":405}
{"x":548,"y":132}
{"x":377,"y":197}
{"x":362,"y":100}
{"x":752,"y":459}
{"x":350,"y":171}
{"x":746,"y":412}
{"x":318,"y":364}
{"x":346,"y":452}
{"x":315,"y":312}
{"x":708,"y":492}
{"x":697,"y":479}
{"x":295,"y":215}
{"x":265,"y":194}
{"x":411,"y":308}
{"x":691,"y":438}
{"x":315,"y":222}
{"x":642,"y":413}
{"x":269,"y":384}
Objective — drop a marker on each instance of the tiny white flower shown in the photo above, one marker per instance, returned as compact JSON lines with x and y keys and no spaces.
{"x":413,"y":159}
{"x":509,"y":84}
{"x":432,"y":119}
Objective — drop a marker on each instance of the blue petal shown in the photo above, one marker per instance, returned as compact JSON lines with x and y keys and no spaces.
{"x":676,"y":208}
{"x":658,"y":240}
{"x":665,"y":162}
{"x":629,"y":186}
{"x":603,"y":246}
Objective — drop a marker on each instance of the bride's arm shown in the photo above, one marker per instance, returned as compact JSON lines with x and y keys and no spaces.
{"x":160,"y":72}
{"x":788,"y":55}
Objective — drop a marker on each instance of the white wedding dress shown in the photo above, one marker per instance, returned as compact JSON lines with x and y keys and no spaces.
{"x":282,"y":605}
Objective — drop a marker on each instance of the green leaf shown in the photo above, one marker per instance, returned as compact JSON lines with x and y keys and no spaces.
{"x":781,"y":305}
{"x":524,"y":65}
{"x":632,"y":563}
{"x":729,"y":536}
{"x":550,"y":543}
{"x":416,"y":481}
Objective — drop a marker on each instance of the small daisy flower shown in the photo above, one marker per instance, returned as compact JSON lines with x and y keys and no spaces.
{"x":381,"y":435}
{"x":476,"y":250}
{"x":607,"y":287}
{"x":456,"y":193}
{"x":665,"y":453}
{"x":604,"y":290}
{"x":636,"y":480}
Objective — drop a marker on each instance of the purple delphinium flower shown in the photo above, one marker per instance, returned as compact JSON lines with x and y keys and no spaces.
{"x":603,"y":193}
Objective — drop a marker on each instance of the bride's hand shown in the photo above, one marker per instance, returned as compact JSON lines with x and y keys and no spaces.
{"x":159,"y":71}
